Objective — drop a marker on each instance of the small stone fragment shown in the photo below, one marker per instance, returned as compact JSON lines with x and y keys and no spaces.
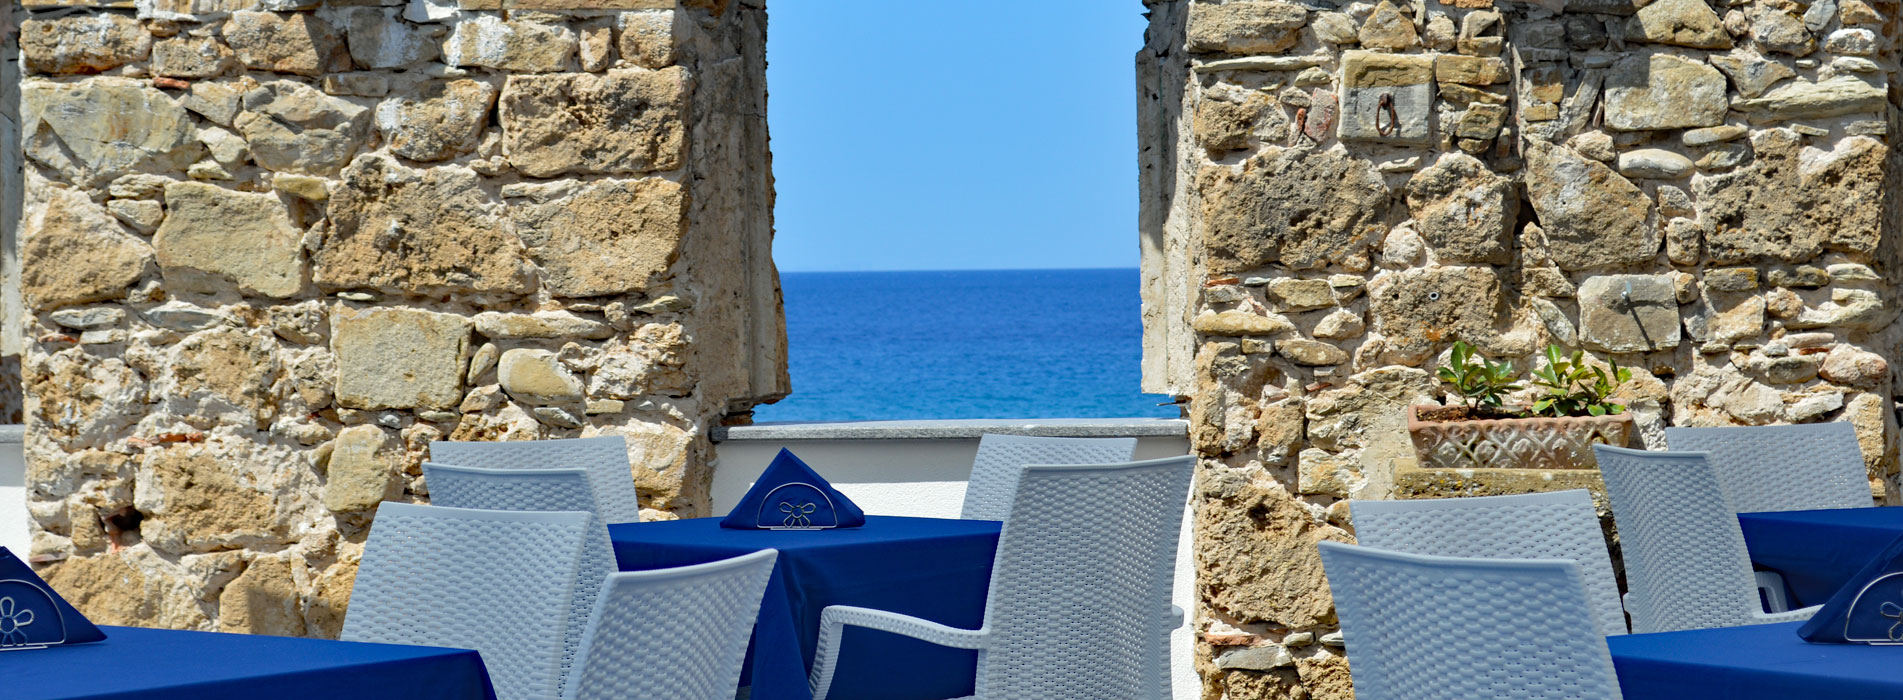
{"x":141,"y":215}
{"x":1654,"y":163}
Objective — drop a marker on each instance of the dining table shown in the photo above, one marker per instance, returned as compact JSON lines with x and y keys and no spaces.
{"x":135,"y":663}
{"x":1817,"y":551}
{"x":932,"y":568}
{"x":1753,"y":662}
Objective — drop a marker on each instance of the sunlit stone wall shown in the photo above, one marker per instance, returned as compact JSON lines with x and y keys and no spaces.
{"x":1333,"y":193}
{"x":273,"y":248}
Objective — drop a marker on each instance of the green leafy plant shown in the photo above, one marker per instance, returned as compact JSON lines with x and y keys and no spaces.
{"x":1481,"y":383}
{"x":1575,"y":387}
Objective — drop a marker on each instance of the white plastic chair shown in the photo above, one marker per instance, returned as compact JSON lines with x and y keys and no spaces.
{"x":1079,"y":603}
{"x":676,"y":633}
{"x":994,"y":472}
{"x":498,"y":582}
{"x":605,"y":458}
{"x":1685,"y":560}
{"x":1556,"y":525}
{"x":536,"y":489}
{"x":1768,"y":468}
{"x":1421,"y":627}
{"x":1782,"y":467}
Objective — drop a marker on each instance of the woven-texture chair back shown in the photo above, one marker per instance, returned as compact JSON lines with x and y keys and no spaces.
{"x":1079,"y":603}
{"x":994,"y":472}
{"x":497,"y":582}
{"x":673,"y":633}
{"x":1685,"y":561}
{"x":536,"y":489}
{"x":1782,"y":467}
{"x":605,"y":458}
{"x":1421,"y":627}
{"x":1556,"y":525}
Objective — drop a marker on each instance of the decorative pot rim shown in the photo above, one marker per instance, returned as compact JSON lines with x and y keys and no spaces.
{"x":1414,"y":421}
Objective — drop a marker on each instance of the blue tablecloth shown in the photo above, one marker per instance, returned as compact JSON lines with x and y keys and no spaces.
{"x":931,"y":568}
{"x":1749,"y":663}
{"x":145,"y":664}
{"x":1818,"y":550}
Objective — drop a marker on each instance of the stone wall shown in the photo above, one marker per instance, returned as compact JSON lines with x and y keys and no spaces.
{"x":273,"y":248}
{"x":1334,"y":193}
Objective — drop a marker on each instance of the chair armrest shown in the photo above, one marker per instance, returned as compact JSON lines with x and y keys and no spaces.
{"x":1797,"y":615}
{"x":1175,"y":618}
{"x":832,"y":627}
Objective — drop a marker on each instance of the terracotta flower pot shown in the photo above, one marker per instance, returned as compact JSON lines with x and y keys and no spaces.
{"x":1514,"y":443}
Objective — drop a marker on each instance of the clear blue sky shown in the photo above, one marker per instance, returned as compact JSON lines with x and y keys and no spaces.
{"x":949,"y":134}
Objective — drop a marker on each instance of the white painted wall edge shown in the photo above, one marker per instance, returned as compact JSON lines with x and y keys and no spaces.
{"x":13,"y":529}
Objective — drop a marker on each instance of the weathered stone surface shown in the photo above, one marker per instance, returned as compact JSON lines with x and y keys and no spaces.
{"x":398,"y":358}
{"x":545,"y":324}
{"x":1852,"y":42}
{"x":1241,"y":323}
{"x":1654,"y":163}
{"x":1628,"y":313}
{"x":195,"y":499}
{"x":1290,"y":294}
{"x":1406,"y":81}
{"x":1843,"y":94}
{"x":1388,"y":29}
{"x":262,"y":600}
{"x":536,"y":377}
{"x":1852,"y":366}
{"x":1679,"y":23}
{"x":1335,"y":28}
{"x":1419,"y":309}
{"x":293,"y":127}
{"x":1470,"y":70}
{"x":82,"y":43}
{"x":1711,"y":135}
{"x":1340,"y":325}
{"x":216,"y":101}
{"x":1298,"y":207}
{"x":1794,"y":202}
{"x":489,"y":41}
{"x":378,"y":40}
{"x":224,"y":373}
{"x":1780,"y":31}
{"x":1750,"y":74}
{"x":1314,"y":353}
{"x":190,"y":57}
{"x":97,"y":130}
{"x":300,"y":43}
{"x":214,"y":238}
{"x":1464,"y":210}
{"x":71,"y":228}
{"x":1591,"y":216}
{"x":623,"y":122}
{"x":88,"y":319}
{"x":414,"y":230}
{"x":649,"y":39}
{"x":134,"y":587}
{"x":603,"y":237}
{"x":440,"y":120}
{"x":1663,"y":91}
{"x":1256,"y":556}
{"x":1245,"y":27}
{"x":362,"y":472}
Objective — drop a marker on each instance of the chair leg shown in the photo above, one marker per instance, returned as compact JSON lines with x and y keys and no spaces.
{"x":1771,"y":588}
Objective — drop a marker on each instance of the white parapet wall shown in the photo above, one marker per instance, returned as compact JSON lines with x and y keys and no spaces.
{"x":919,"y":468}
{"x":13,"y":531}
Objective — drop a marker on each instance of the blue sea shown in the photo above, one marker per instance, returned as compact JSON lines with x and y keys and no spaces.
{"x":963,"y":344}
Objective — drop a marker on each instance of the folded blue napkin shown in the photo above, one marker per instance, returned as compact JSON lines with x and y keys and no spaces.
{"x":1869,"y":607}
{"x":790,"y":496}
{"x":32,"y":615}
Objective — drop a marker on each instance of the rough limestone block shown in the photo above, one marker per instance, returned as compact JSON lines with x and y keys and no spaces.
{"x":70,"y":227}
{"x":1628,"y":313}
{"x":518,"y":47}
{"x":293,"y":127}
{"x":300,"y":43}
{"x":398,"y":358}
{"x":1592,"y":217}
{"x":627,"y":121}
{"x":603,"y":237}
{"x":363,"y":469}
{"x":95,"y":131}
{"x":427,"y":231}
{"x":1791,"y":205}
{"x":1386,"y":98}
{"x":1299,"y":207}
{"x":82,"y":43}
{"x":1245,"y":26}
{"x":1663,"y":91}
{"x":215,"y":239}
{"x":436,"y":120}
{"x":1465,"y":211}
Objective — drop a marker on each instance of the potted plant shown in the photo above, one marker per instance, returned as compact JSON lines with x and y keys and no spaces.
{"x":1573,"y":410}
